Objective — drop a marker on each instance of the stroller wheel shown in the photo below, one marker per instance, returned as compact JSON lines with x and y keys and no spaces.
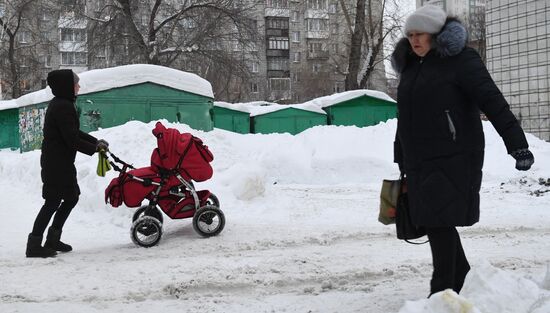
{"x":208,"y":221}
{"x":144,"y":211}
{"x":146,"y":231}
{"x":213,"y":200}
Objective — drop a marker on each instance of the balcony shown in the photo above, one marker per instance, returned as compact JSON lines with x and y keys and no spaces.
{"x":274,"y":32}
{"x":278,"y":74}
{"x":277,"y":53}
{"x":277,"y":12}
{"x":317,"y":55}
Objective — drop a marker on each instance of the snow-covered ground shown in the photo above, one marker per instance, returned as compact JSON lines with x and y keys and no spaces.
{"x":301,"y":236}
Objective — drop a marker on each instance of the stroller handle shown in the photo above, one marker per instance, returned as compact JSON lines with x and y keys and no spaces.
{"x":116,"y":159}
{"x":122,"y":171}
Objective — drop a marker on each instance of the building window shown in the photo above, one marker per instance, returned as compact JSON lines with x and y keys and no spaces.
{"x":279,"y":84}
{"x":45,"y":35}
{"x":254,"y":67}
{"x":281,"y":4}
{"x":316,"y":24}
{"x":253,"y":24}
{"x":235,"y":45}
{"x":72,"y":34}
{"x":25,"y":84}
{"x":333,"y":8}
{"x":24,"y":63}
{"x":46,"y":60}
{"x":277,"y":64}
{"x":316,"y":47}
{"x":254,"y":87}
{"x":296,"y":57}
{"x":334,"y":28}
{"x":317,"y":4}
{"x":338,"y":87}
{"x":295,"y":36}
{"x":316,"y":67}
{"x":295,"y":17}
{"x":45,"y":16}
{"x":23,"y":37}
{"x":277,"y":23}
{"x":278,"y":43}
{"x":73,"y":58}
{"x":295,"y":77}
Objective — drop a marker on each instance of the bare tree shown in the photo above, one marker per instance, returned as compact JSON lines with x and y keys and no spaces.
{"x":356,"y":44}
{"x":477,"y":31}
{"x":376,"y":22}
{"x":194,"y":35}
{"x":11,"y":23}
{"x":24,"y":47}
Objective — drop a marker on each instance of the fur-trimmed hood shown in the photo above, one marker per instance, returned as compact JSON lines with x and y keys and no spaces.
{"x":450,"y":41}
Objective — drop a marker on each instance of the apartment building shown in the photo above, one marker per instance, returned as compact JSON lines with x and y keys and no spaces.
{"x":518,"y":58}
{"x":46,"y":39}
{"x":302,"y":52}
{"x":307,"y":48}
{"x":471,"y":12}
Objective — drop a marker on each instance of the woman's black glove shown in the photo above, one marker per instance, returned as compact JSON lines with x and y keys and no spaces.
{"x":524,"y":159}
{"x":102,"y":145}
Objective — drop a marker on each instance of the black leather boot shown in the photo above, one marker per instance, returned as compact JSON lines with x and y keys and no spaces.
{"x":35,"y":249}
{"x":53,"y":241}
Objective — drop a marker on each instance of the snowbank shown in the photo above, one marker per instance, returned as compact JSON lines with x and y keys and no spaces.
{"x":301,"y":234}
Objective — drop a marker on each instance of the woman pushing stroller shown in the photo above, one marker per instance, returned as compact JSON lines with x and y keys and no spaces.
{"x":62,"y":138}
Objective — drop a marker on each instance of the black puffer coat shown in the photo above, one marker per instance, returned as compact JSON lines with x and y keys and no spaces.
{"x":439,"y":141}
{"x":62,"y":139}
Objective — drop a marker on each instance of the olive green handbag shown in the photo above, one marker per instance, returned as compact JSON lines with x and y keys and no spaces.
{"x":388,"y":200}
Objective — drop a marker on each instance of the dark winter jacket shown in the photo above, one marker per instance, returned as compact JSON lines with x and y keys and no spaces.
{"x":439,"y":141}
{"x":62,"y":139}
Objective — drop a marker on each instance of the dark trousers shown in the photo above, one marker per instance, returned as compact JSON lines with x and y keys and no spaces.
{"x":61,"y":207}
{"x":449,"y":262}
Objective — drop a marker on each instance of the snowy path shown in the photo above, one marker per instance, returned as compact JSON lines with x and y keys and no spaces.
{"x":293,"y":241}
{"x":259,"y":263}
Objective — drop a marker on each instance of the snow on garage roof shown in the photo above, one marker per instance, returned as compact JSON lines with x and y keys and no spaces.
{"x":348,"y":95}
{"x":261,"y":110}
{"x":242,"y":106}
{"x":121,"y":76}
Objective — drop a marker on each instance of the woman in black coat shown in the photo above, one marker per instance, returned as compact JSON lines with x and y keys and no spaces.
{"x":62,"y":139}
{"x":439,"y":142}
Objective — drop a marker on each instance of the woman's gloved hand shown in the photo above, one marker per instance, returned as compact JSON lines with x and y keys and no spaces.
{"x":524,"y":159}
{"x":102,"y":145}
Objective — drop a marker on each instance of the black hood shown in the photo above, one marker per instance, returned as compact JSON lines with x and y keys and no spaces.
{"x":62,"y":83}
{"x":450,"y":41}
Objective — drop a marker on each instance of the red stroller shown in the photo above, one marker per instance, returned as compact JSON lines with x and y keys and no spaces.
{"x":178,"y":159}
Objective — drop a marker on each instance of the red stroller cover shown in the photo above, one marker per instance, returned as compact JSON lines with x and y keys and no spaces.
{"x":182,"y":152}
{"x":131,"y":192}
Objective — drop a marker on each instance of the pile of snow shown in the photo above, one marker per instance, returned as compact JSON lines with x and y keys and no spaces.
{"x":487,"y":289}
{"x":301,"y":234}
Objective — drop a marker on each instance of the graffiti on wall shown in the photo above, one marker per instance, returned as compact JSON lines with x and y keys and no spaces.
{"x":31,"y":122}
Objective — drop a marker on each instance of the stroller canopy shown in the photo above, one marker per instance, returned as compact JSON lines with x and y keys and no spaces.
{"x":181,"y":152}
